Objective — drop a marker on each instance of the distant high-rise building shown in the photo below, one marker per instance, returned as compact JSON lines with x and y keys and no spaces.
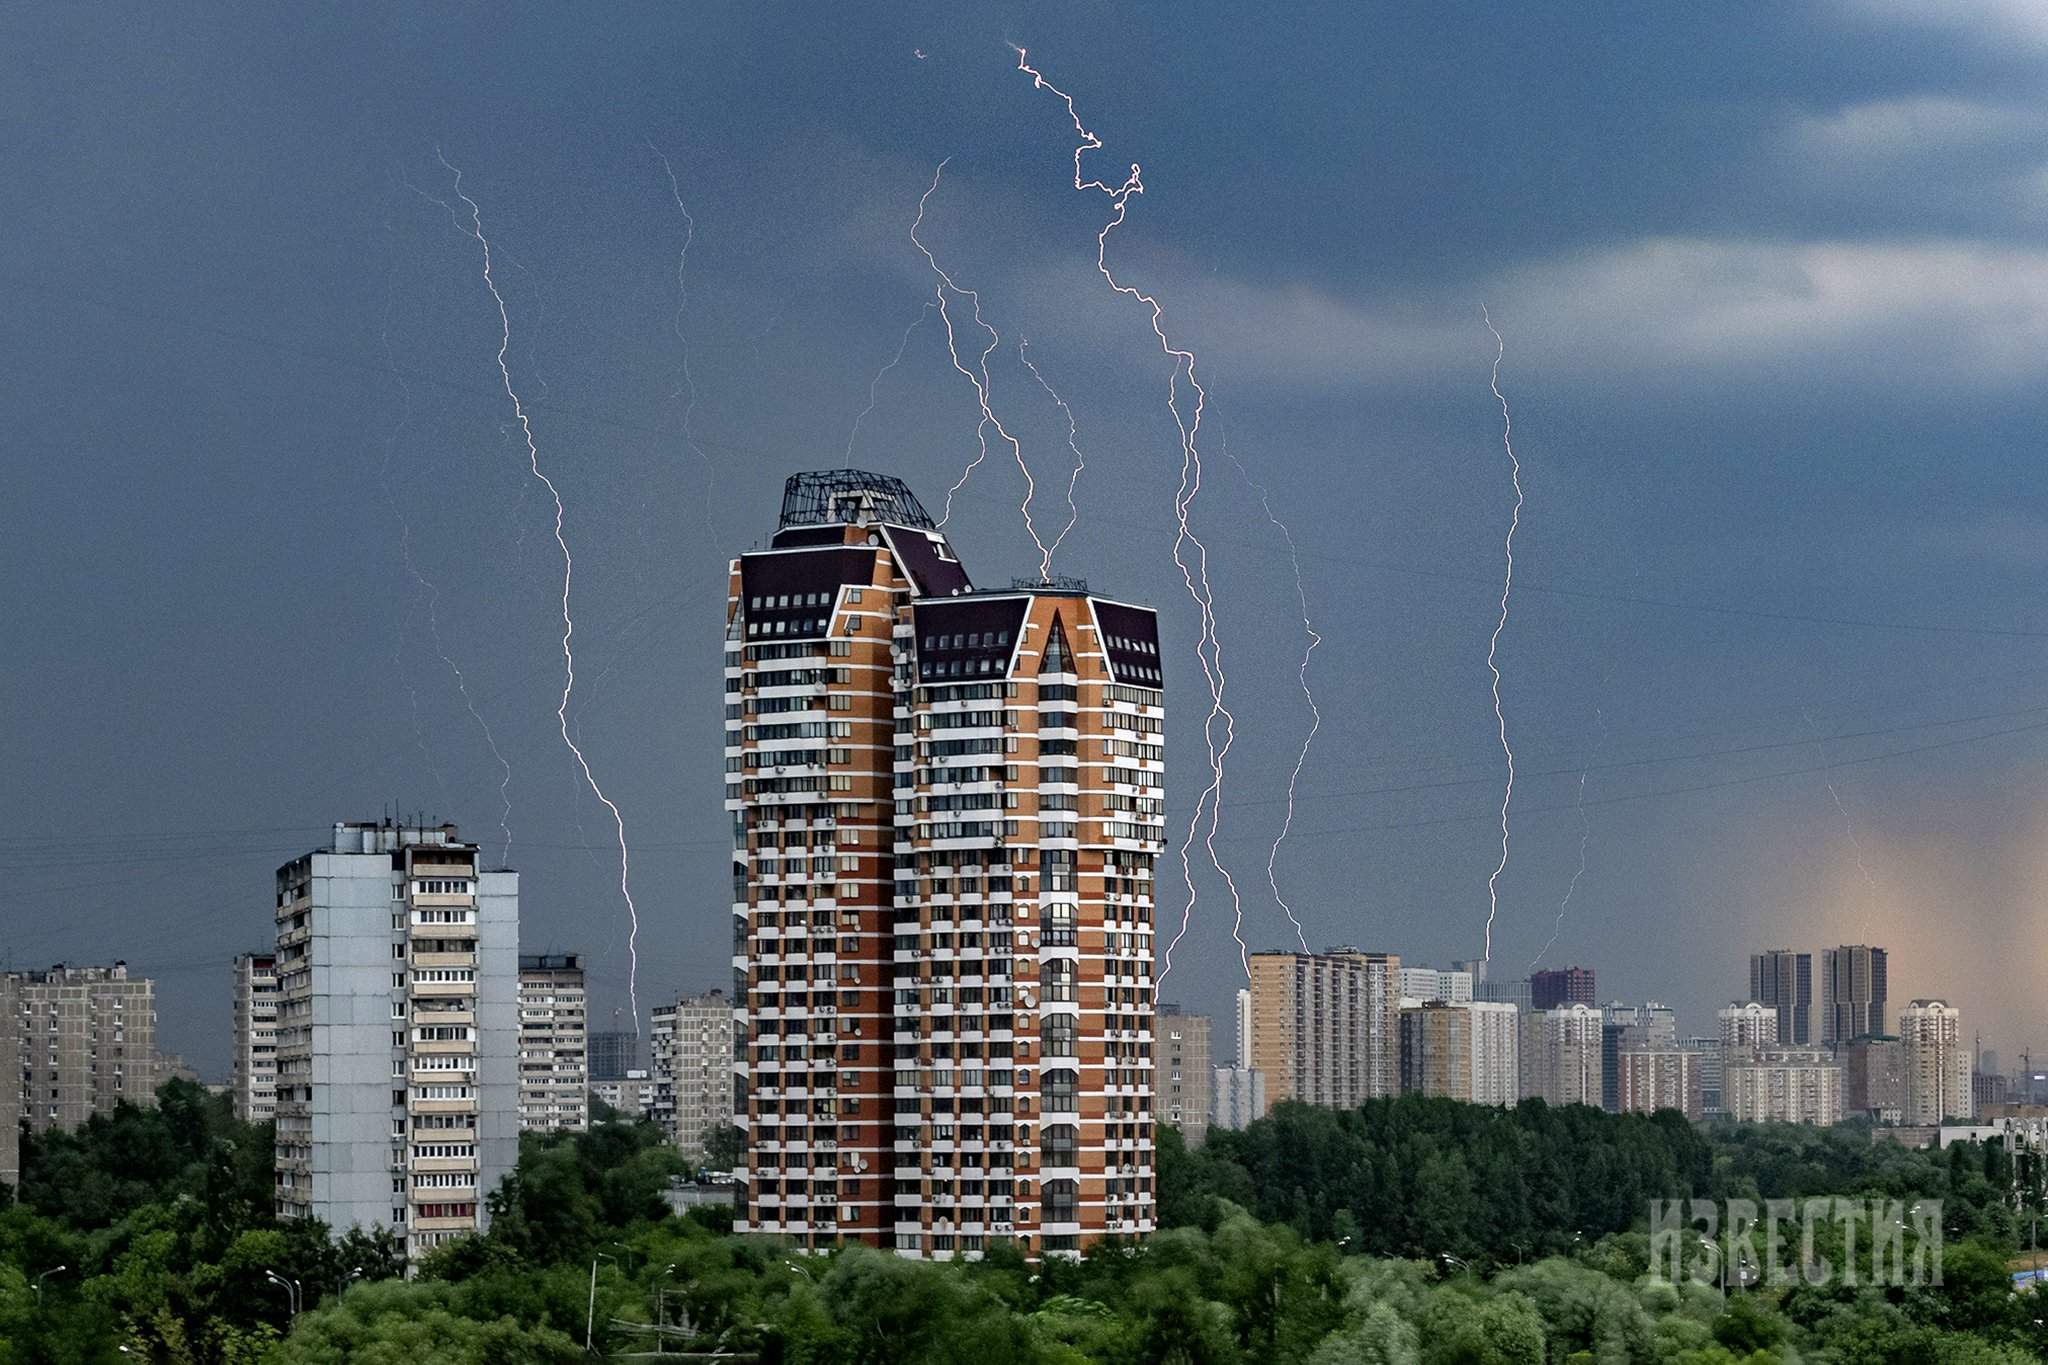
{"x":947,"y":806}
{"x":1783,"y":980}
{"x":1505,"y":991}
{"x":1571,"y":985}
{"x":1244,"y":1028}
{"x":255,"y":1062}
{"x":693,"y":1060}
{"x":1188,"y":1072}
{"x":1852,"y":993}
{"x":613,"y":1054}
{"x":1988,"y":1061}
{"x":1784,"y":1085}
{"x":1711,"y":1054}
{"x":1748,"y":1024}
{"x":1463,"y":1050}
{"x":1937,"y":1062}
{"x":1874,"y":1070}
{"x":1645,"y":1027}
{"x":1239,"y":1096}
{"x":1326,"y":1027}
{"x":631,"y":1095}
{"x":1560,"y":1055}
{"x":1430,"y":983}
{"x":1659,"y":1077}
{"x":82,"y":1040}
{"x":398,"y":1032}
{"x":554,"y":1077}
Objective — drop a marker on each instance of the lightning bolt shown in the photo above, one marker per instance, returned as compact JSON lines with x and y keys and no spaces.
{"x":1585,"y":838}
{"x":688,"y":387}
{"x":1073,"y":444}
{"x":1308,"y":694}
{"x":475,"y":229}
{"x":978,"y":377}
{"x":423,"y":585}
{"x":1848,"y":822}
{"x":1493,"y":644}
{"x":874,"y":385}
{"x":1195,"y":574}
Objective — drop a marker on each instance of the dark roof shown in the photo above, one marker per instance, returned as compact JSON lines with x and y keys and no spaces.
{"x":796,"y":588}
{"x":965,"y":638}
{"x":931,"y":573}
{"x":1130,"y":636}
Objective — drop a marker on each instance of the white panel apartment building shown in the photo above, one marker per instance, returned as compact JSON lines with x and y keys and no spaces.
{"x":398,"y":1028}
{"x":255,"y":1060}
{"x":554,"y":1079}
{"x":691,"y":1044}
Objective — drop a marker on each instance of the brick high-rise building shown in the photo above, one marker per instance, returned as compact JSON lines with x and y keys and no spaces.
{"x":255,"y":1061}
{"x":1874,"y":1070}
{"x":1326,"y":1027}
{"x":947,"y":806}
{"x":1571,"y":985}
{"x":1653,"y":1077}
{"x":1783,"y":980}
{"x":1783,"y":1085}
{"x":554,"y":1073}
{"x":1852,"y":993}
{"x":397,"y":1032}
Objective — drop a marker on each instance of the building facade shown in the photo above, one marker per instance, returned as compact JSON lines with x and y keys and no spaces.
{"x":1783,"y":980}
{"x":1774,"y":1084}
{"x":631,"y":1095}
{"x":1185,"y":1072}
{"x":1653,"y":1078}
{"x":1937,"y":1062}
{"x":1239,"y":1095}
{"x":947,"y":809}
{"x":78,"y":1041}
{"x":691,"y":1042}
{"x":554,"y":1076}
{"x":1465,"y":1050}
{"x":1326,"y":1027}
{"x":1573,"y":985}
{"x":1874,"y":1078}
{"x":1431,"y":983}
{"x":1710,"y":1053}
{"x":398,"y":1032}
{"x":255,"y":1061}
{"x":1852,"y":993}
{"x":1561,"y":1055}
{"x":1748,"y":1024}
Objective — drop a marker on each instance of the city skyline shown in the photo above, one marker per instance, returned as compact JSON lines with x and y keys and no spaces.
{"x":1765,"y":332}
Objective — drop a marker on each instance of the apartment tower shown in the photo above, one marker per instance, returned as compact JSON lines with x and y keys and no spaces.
{"x":1852,"y":993}
{"x":398,"y":1032}
{"x":81,"y":1040}
{"x":1326,"y":1027}
{"x":1937,"y":1062}
{"x":1185,"y":1072}
{"x":554,"y":1073}
{"x":1783,"y":980}
{"x":255,"y":1060}
{"x":946,"y":806}
{"x":691,"y":1040}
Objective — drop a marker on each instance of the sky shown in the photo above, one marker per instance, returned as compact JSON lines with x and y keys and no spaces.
{"x":1771,"y":282}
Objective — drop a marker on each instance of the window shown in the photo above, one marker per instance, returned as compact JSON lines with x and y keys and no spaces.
{"x":1059,"y":1090}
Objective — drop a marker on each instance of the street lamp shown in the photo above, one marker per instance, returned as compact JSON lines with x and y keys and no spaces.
{"x":290,"y":1288}
{"x":801,"y":1271}
{"x":53,"y":1270}
{"x":590,"y":1311}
